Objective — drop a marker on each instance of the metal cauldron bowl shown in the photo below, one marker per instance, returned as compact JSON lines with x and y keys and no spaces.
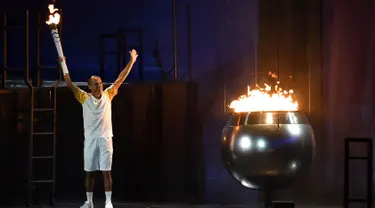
{"x":267,"y":150}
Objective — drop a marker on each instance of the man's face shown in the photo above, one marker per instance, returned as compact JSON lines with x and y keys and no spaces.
{"x":95,"y":84}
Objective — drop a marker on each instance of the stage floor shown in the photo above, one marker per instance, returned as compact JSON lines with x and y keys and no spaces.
{"x":100,"y":204}
{"x":138,"y":205}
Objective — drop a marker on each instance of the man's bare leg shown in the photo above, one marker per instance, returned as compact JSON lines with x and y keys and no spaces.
{"x":107,"y":185}
{"x":90,"y":183}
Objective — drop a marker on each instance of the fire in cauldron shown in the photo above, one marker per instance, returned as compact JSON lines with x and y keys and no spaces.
{"x":267,"y":141}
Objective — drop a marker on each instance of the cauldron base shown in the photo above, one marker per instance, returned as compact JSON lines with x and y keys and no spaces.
{"x":269,"y":203}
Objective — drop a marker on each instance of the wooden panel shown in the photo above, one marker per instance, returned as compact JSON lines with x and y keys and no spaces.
{"x":173,"y":148}
{"x":181,"y":147}
{"x":8,"y":128}
{"x":195,"y":175}
{"x":123,"y":159}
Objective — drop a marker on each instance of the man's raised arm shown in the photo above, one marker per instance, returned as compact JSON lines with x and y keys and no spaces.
{"x":125,"y":72}
{"x":79,"y":94}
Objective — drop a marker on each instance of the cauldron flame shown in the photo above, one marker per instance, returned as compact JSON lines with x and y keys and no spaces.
{"x":267,"y":142}
{"x":269,"y":98}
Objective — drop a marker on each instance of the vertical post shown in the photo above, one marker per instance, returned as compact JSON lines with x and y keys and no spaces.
{"x":120,"y":37}
{"x":309,"y":81}
{"x":5,"y":51}
{"x":101,"y":57}
{"x":189,"y":40}
{"x":124,"y":54}
{"x":225,"y":98}
{"x":346,"y":173}
{"x":27,"y":45}
{"x":54,"y":145}
{"x":256,"y":54}
{"x":278,"y":32}
{"x":256,"y":63}
{"x":140,"y":62}
{"x":27,"y":51}
{"x":175,"y":48}
{"x":27,"y":80}
{"x":38,"y":52}
{"x":369,"y":173}
{"x":31,"y":144}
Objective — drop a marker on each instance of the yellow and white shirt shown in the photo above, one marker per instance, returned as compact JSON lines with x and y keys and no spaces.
{"x":97,"y":113}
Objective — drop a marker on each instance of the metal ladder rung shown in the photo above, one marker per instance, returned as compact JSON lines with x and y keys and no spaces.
{"x":14,"y":69}
{"x":7,"y":27}
{"x":42,"y":181}
{"x":42,"y":133}
{"x":42,"y":157}
{"x":43,"y":109}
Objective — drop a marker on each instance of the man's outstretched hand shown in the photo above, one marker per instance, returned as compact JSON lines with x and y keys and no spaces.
{"x":61,"y":59}
{"x":133,"y":55}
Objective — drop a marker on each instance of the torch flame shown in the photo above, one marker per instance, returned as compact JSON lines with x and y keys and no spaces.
{"x":54,"y":17}
{"x":265,"y":99}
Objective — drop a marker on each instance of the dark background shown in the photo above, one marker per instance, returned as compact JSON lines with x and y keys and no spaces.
{"x":326,"y":46}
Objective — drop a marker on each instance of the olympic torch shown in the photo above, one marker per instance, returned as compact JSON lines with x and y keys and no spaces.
{"x":53,"y":21}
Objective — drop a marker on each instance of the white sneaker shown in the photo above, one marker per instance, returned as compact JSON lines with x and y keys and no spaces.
{"x":87,"y":205}
{"x":108,"y":205}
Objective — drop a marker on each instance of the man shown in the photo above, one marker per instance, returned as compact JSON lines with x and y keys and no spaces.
{"x":97,"y":111}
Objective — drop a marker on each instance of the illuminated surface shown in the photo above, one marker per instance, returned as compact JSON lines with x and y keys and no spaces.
{"x":267,"y":150}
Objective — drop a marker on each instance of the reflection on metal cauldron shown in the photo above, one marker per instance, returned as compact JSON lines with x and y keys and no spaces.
{"x":266,"y":150}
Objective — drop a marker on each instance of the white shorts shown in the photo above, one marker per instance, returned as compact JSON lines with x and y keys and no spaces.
{"x":98,"y":154}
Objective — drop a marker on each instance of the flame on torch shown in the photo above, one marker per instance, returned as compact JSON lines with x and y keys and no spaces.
{"x":54,"y":17}
{"x":265,"y":99}
{"x":53,"y":21}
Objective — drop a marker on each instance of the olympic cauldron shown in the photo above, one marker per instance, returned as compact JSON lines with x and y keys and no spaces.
{"x":267,"y":149}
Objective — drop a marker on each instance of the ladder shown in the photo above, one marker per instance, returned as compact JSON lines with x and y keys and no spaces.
{"x":368,"y":159}
{"x":38,"y":119}
{"x":121,"y":52}
{"x":43,"y":127}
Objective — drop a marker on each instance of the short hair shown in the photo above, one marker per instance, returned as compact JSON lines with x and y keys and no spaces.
{"x":89,"y":80}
